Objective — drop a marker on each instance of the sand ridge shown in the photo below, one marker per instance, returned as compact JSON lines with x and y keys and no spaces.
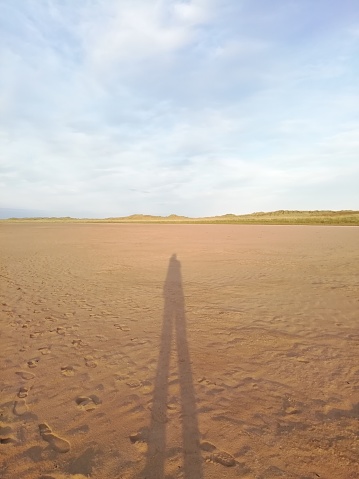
{"x":179,"y":351}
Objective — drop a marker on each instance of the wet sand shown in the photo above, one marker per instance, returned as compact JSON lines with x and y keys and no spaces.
{"x":179,"y":351}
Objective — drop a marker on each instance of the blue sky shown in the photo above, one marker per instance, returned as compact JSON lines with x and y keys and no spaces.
{"x":203,"y":107}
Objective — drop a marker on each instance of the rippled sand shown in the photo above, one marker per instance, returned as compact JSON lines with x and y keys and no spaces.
{"x":179,"y":351}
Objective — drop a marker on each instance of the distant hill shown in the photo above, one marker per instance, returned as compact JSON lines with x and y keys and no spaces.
{"x":142,"y":218}
{"x":280,"y":217}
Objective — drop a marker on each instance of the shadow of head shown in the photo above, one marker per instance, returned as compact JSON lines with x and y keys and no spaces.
{"x":174,"y":260}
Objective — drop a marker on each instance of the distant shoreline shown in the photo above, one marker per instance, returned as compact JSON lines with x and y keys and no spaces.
{"x":281,"y":217}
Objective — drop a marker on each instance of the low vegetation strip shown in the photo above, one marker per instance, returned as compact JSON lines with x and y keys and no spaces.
{"x":281,"y":217}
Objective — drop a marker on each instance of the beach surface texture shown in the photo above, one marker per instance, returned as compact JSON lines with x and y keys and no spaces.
{"x":179,"y":351}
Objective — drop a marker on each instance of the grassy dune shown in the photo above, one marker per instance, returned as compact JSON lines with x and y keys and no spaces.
{"x":281,"y":217}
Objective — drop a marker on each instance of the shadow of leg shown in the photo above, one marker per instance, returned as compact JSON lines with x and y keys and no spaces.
{"x":173,"y":319}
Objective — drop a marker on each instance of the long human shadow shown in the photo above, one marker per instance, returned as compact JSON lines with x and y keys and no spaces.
{"x":173,"y":330}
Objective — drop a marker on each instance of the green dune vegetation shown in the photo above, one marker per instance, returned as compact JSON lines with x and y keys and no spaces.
{"x":281,"y":217}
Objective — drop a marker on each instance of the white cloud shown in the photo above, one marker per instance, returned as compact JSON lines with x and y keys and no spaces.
{"x":197,"y":108}
{"x":138,"y":31}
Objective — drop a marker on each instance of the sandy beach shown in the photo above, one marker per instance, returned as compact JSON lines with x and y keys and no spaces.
{"x":179,"y":351}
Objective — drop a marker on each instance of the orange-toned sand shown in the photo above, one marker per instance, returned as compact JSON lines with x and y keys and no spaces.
{"x":179,"y":351}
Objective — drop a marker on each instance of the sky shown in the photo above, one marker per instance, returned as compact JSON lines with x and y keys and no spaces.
{"x":196,"y":108}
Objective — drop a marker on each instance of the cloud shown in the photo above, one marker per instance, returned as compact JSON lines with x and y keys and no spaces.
{"x":199,"y":107}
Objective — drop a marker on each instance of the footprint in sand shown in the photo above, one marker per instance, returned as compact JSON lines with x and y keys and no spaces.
{"x":25,"y":375}
{"x":35,"y":334}
{"x":32,"y":363}
{"x":140,"y":436}
{"x":20,"y":407}
{"x":60,"y":331}
{"x":140,"y":439}
{"x":67,"y":371}
{"x":56,"y":443}
{"x":78,"y":342}
{"x":211,"y":386}
{"x":134,"y":383}
{"x":88,"y":403}
{"x":223,"y":458}
{"x":123,"y":327}
{"x":207,"y":446}
{"x":90,"y":363}
{"x":5,"y":435}
{"x":292,"y":410}
{"x":45,"y":350}
{"x":121,"y":377}
{"x":23,"y":392}
{"x":219,"y":457}
{"x":7,"y":440}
